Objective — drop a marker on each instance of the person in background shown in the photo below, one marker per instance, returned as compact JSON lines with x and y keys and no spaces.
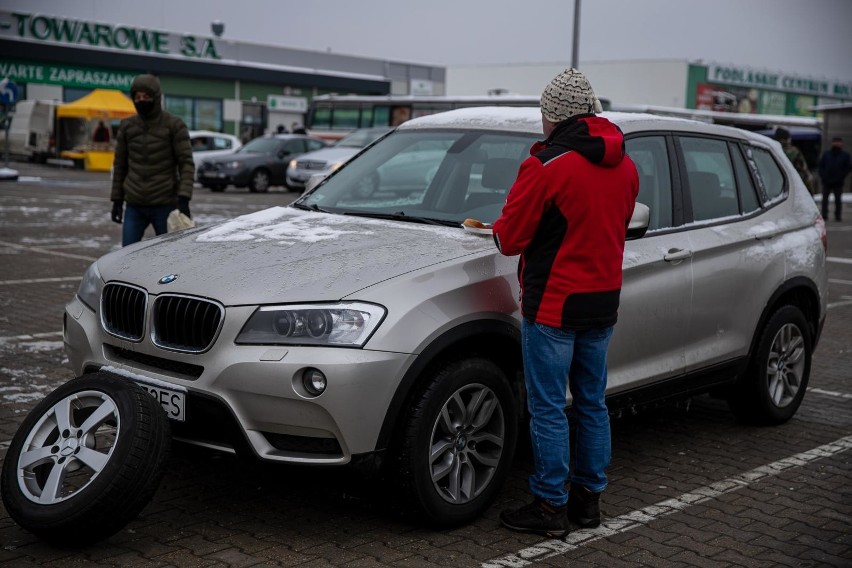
{"x":281,"y":129}
{"x":567,"y":215}
{"x":834,"y":165}
{"x":153,"y":167}
{"x":298,"y":128}
{"x":101,"y":134}
{"x":795,"y":156}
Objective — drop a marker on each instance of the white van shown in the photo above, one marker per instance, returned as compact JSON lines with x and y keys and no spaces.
{"x":31,"y":132}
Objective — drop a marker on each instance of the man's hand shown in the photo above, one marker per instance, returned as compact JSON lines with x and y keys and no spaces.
{"x":117,"y":210}
{"x":183,"y":206}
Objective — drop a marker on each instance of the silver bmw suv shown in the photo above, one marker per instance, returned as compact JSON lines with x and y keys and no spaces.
{"x":364,"y":326}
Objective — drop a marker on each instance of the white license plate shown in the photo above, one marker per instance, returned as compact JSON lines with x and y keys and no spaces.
{"x":172,"y":401}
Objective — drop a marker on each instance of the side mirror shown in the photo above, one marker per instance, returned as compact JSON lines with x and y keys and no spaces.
{"x":283,"y":154}
{"x":639,"y":222}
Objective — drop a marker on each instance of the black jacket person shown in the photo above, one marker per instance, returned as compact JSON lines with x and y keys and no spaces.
{"x":153,"y":168}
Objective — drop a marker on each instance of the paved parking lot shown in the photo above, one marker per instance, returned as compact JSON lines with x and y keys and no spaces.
{"x":689,"y":486}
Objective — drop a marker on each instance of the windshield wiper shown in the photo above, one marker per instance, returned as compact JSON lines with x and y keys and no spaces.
{"x":401,"y":216}
{"x":311,"y":207}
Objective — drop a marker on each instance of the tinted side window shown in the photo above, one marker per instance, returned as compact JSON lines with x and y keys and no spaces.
{"x":710,"y":178}
{"x":655,"y":184}
{"x":768,"y":173}
{"x":314,"y":145}
{"x":294,"y":147}
{"x":200,"y":144}
{"x":748,"y":193}
{"x":221,"y":143}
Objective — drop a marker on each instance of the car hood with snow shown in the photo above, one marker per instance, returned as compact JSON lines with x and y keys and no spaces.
{"x":284,"y":255}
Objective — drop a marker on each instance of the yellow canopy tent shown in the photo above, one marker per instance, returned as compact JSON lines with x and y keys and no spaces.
{"x":99,"y":105}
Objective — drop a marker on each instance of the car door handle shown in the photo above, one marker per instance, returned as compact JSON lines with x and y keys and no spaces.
{"x":766,"y":235}
{"x":676,"y":255}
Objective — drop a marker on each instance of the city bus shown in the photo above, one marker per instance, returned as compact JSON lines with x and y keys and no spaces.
{"x":332,"y":116}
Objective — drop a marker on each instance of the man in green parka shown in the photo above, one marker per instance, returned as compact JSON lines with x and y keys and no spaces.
{"x":153,"y":168}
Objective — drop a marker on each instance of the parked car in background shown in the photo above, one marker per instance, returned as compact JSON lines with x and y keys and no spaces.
{"x":364,"y":325}
{"x":208,"y":144}
{"x":259,"y":164}
{"x":328,"y":159}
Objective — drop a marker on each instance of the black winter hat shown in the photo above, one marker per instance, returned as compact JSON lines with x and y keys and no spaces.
{"x":782,"y":134}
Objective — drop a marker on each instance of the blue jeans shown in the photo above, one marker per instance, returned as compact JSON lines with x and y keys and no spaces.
{"x":554,"y":361}
{"x":138,"y":217}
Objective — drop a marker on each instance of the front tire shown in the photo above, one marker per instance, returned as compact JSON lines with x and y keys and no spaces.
{"x":777,"y":376}
{"x":86,"y":460}
{"x":457,"y":443}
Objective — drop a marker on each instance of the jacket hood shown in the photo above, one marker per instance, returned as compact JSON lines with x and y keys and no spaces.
{"x":151,"y":85}
{"x":596,"y":138}
{"x":285,"y":255}
{"x":146,"y":83}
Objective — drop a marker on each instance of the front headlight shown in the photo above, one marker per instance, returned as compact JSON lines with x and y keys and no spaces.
{"x":318,"y":324}
{"x":335,"y":166}
{"x":233,"y":165}
{"x":89,"y":291}
{"x":292,"y":165}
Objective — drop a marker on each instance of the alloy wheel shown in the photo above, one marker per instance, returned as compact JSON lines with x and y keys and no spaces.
{"x":68,"y":447}
{"x":466,"y":443}
{"x":786,"y":365}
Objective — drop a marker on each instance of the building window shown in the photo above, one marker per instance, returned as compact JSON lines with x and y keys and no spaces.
{"x":208,"y":115}
{"x":198,"y":114}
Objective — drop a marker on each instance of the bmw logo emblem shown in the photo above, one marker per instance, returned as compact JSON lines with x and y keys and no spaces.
{"x":167,"y":279}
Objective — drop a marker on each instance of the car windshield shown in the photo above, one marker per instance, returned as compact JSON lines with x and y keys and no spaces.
{"x":360,"y":138}
{"x":443,"y":176}
{"x":261,"y":146}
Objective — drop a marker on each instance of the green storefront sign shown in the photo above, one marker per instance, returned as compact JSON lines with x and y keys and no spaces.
{"x":42,"y":27}
{"x":66,"y":76}
{"x":728,"y":75}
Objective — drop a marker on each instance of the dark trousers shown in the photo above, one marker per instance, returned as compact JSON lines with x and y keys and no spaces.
{"x":838,"y":201}
{"x":138,"y":217}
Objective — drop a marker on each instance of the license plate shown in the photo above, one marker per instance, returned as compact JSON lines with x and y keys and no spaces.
{"x":172,"y":401}
{"x":213,"y":174}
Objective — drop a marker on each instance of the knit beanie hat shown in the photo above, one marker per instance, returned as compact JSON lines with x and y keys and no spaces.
{"x":567,"y":95}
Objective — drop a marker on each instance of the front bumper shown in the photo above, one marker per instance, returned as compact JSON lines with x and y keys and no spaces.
{"x":250,"y":393}
{"x":218,"y":177}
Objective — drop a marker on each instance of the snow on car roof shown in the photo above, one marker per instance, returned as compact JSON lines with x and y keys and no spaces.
{"x":528,"y":119}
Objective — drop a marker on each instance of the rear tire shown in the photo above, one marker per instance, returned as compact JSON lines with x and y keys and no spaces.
{"x":777,"y":377}
{"x":86,"y":460}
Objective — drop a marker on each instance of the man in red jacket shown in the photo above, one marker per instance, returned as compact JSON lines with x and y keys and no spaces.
{"x":567,"y":216}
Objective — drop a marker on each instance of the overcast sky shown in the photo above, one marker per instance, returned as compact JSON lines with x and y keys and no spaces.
{"x":802,"y":37}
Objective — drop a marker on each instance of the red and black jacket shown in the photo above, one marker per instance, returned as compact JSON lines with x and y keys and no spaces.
{"x":567,"y":216}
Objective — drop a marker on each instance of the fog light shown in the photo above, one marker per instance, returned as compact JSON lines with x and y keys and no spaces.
{"x":314,"y":381}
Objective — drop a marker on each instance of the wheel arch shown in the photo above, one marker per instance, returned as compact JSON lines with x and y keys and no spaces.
{"x":800,"y":292}
{"x":496,"y":341}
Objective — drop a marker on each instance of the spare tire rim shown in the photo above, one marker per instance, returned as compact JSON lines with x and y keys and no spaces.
{"x":68,"y":447}
{"x":466,"y":443}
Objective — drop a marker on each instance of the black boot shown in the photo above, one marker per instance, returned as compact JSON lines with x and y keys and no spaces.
{"x":538,"y":517}
{"x":584,"y":507}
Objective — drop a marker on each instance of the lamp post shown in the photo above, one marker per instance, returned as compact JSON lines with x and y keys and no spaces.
{"x":575,"y":48}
